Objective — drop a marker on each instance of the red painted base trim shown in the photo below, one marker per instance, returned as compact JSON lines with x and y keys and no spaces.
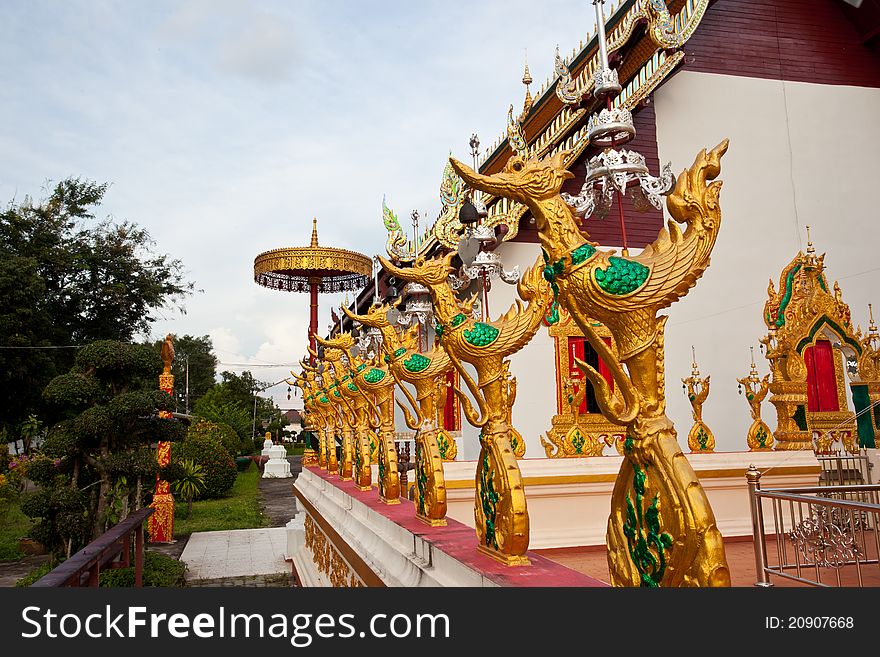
{"x":460,"y":542}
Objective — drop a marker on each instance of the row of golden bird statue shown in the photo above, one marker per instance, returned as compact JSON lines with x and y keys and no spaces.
{"x":661,"y":530}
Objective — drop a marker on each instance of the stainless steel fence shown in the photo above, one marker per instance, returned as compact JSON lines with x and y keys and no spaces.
{"x":823,"y":535}
{"x":841,"y":468}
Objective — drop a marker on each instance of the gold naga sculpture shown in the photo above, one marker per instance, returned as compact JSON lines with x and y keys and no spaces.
{"x":327,"y":411}
{"x":759,"y":437}
{"x":675,"y":540}
{"x":374,"y":380}
{"x":422,"y":370}
{"x":313,"y":419}
{"x":700,"y":437}
{"x":500,"y":511}
{"x":360,"y":416}
{"x":337,"y":374}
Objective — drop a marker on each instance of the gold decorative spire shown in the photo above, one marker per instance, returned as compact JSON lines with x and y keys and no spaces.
{"x":811,"y":252}
{"x":527,"y":80}
{"x":314,"y":233}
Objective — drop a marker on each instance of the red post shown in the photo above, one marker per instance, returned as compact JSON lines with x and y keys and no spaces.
{"x":313,"y":314}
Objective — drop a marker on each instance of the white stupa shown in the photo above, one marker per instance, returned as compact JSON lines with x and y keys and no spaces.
{"x":277,"y":467}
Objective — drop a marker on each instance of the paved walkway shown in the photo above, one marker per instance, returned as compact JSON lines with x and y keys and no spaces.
{"x":247,"y":557}
{"x":236,"y":553}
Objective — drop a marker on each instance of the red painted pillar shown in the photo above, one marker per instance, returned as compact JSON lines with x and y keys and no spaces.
{"x":313,"y":314}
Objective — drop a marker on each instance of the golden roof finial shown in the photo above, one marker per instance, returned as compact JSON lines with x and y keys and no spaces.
{"x":527,"y":80}
{"x":695,"y":371}
{"x":314,"y":232}
{"x":872,"y":327}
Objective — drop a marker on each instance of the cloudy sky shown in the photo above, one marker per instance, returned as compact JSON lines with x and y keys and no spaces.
{"x":224,"y":126}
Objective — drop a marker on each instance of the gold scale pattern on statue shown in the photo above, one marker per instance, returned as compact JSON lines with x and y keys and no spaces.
{"x":675,"y":540}
{"x":500,"y":510}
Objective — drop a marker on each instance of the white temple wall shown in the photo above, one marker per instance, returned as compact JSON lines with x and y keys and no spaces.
{"x":800,"y":154}
{"x":535,"y":365}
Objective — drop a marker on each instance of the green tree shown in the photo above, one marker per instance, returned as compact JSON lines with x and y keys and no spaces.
{"x":196,"y":356}
{"x":236,"y":401}
{"x":105,"y":417}
{"x":67,"y":278}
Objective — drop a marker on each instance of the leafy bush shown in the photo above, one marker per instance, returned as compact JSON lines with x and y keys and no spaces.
{"x":159,"y":570}
{"x":223,"y":432}
{"x":59,"y":514}
{"x":206,"y":449}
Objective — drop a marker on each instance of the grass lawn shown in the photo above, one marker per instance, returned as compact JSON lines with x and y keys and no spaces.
{"x":241,"y":510}
{"x":13,"y":526}
{"x":294,"y":450}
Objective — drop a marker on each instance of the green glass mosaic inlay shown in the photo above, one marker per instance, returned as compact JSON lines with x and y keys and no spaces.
{"x":582,"y":253}
{"x":374,"y":376}
{"x":458,"y":320}
{"x":416,"y":363}
{"x":644,"y":544}
{"x":481,"y":334}
{"x":622,"y":276}
{"x":789,"y":282}
{"x":488,"y":501}
{"x":352,"y":387}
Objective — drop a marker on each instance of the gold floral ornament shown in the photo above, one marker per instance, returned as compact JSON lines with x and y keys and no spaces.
{"x":759,"y":437}
{"x":625,"y":294}
{"x":500,"y":511}
{"x":700,"y":437}
{"x":422,"y":370}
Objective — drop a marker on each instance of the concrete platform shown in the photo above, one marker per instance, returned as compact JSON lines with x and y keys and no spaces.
{"x":236,"y":553}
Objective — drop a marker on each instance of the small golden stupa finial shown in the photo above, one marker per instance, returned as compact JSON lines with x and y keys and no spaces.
{"x":811,"y":252}
{"x":695,"y":371}
{"x":527,"y":80}
{"x":873,"y":335}
{"x":314,"y":233}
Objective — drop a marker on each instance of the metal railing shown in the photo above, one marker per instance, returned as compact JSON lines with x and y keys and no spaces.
{"x":827,"y":532}
{"x":84,"y":567}
{"x":842,"y":468}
